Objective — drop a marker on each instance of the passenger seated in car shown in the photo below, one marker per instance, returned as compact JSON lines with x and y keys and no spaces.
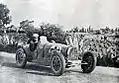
{"x":33,"y":41}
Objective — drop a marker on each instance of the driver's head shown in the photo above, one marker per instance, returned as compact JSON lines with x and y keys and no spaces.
{"x":35,"y":37}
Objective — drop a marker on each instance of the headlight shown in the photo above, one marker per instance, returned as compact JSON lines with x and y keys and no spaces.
{"x":58,"y":48}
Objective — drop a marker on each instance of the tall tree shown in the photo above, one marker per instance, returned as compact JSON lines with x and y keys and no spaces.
{"x":5,"y":18}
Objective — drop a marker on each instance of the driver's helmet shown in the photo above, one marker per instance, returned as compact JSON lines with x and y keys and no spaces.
{"x":35,"y":37}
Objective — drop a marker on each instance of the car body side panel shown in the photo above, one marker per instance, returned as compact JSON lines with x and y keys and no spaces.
{"x":40,"y":54}
{"x":43,"y":52}
{"x":47,"y":53}
{"x":40,"y":51}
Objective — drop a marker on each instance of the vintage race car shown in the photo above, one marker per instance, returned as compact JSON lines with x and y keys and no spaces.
{"x":55,"y":55}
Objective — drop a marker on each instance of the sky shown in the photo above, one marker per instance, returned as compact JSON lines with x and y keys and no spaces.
{"x":68,"y":13}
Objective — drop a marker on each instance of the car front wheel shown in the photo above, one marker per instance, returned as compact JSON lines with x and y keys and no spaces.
{"x":57,"y":64}
{"x":21,"y":58}
{"x":90,"y":60}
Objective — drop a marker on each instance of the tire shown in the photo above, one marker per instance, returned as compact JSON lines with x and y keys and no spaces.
{"x":91,"y":59}
{"x":116,"y":63}
{"x":21,"y":58}
{"x":58,"y":64}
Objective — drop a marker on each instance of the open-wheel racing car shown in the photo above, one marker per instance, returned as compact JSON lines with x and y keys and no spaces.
{"x":55,"y":55}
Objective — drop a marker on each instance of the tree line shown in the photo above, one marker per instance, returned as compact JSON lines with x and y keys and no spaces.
{"x":52,"y":31}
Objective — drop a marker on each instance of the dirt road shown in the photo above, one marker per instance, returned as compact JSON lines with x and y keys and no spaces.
{"x":10,"y":73}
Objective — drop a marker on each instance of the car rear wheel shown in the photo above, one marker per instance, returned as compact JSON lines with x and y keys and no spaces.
{"x":58,"y":64}
{"x":116,"y":62}
{"x":91,"y":61}
{"x":21,"y":58}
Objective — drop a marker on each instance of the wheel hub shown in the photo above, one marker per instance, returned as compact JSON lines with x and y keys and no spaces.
{"x":56,"y":63}
{"x":21,"y":56}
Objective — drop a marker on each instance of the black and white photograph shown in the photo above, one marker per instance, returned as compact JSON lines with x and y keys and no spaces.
{"x":59,"y":41}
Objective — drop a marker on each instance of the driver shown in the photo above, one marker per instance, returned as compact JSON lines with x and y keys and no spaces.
{"x":33,"y":41}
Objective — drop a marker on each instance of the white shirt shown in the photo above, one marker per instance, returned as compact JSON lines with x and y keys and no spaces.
{"x":43,"y":39}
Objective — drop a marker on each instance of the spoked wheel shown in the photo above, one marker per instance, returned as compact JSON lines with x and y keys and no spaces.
{"x":90,"y":61}
{"x":58,"y":64}
{"x":21,"y":58}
